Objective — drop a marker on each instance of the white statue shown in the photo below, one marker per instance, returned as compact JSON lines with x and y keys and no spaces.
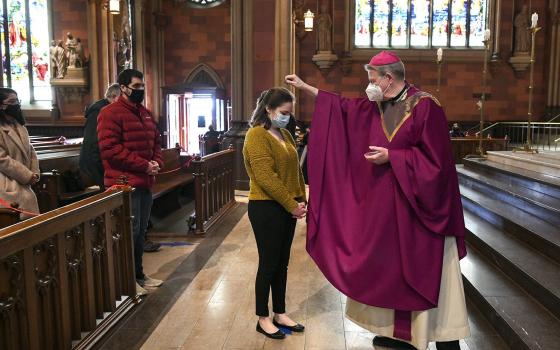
{"x":80,"y":58}
{"x":53,"y":60}
{"x":61,"y":62}
{"x":324,"y":23}
{"x":521,"y":24}
{"x":71,"y":44}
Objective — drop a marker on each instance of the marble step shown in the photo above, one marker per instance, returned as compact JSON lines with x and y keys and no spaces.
{"x":544,"y":164}
{"x":536,"y":203}
{"x":533,"y":231}
{"x":483,"y":335}
{"x":516,"y":176}
{"x":521,"y":321}
{"x":537,"y":274}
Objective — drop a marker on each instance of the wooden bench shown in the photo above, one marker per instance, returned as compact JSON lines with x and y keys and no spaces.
{"x":172,"y":178}
{"x":67,"y":276}
{"x":53,"y":190}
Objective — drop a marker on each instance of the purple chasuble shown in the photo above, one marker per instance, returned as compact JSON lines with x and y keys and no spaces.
{"x":377,"y":231}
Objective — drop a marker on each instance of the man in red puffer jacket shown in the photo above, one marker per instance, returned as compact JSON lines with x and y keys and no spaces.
{"x":129,"y":143}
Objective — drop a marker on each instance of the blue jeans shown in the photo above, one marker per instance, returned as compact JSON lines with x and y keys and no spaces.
{"x":141,"y":207}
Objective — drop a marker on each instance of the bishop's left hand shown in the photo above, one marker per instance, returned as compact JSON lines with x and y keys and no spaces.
{"x":381,"y":155}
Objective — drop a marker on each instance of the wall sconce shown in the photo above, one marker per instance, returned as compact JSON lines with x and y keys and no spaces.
{"x":307,"y":21}
{"x":114,"y":7}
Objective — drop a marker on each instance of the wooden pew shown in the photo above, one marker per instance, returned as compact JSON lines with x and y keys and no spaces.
{"x":67,"y":276}
{"x":169,"y":182}
{"x":55,"y":148}
{"x":53,"y":189}
{"x":464,"y":146}
{"x":8,"y":217}
{"x":209,"y":145}
{"x":214,"y":188}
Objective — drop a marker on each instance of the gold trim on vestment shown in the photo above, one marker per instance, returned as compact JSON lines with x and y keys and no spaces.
{"x":408,"y":112}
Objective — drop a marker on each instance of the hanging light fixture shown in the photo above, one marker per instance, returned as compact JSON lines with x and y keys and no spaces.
{"x":308,"y":21}
{"x":114,"y":7}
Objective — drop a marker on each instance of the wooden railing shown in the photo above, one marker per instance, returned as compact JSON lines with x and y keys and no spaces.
{"x":67,"y":276}
{"x":214,"y":188}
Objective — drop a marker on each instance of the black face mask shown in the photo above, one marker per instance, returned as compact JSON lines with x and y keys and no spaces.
{"x":14,"y":111}
{"x":137,"y":95}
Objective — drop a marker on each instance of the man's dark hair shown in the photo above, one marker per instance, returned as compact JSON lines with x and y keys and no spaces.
{"x":126,"y":76}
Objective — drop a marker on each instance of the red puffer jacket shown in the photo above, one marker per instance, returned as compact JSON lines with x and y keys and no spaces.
{"x":128,"y":141}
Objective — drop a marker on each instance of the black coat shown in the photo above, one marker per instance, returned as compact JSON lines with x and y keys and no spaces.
{"x":90,"y":158}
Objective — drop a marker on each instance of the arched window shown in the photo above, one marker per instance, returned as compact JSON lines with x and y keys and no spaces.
{"x":418,"y":24}
{"x":24,"y":36}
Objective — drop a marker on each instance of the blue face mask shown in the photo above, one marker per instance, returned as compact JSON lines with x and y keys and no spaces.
{"x":281,"y":120}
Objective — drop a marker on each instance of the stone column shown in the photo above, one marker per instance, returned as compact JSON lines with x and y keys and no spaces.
{"x":241,"y":84}
{"x":553,"y":98}
{"x":495,"y":18}
{"x":139,"y":24}
{"x":95,"y":11}
{"x":157,"y":53}
{"x":283,"y":41}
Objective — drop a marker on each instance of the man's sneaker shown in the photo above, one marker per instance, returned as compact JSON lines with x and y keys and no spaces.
{"x":151,"y":282}
{"x":150,"y":247}
{"x":140,"y":291}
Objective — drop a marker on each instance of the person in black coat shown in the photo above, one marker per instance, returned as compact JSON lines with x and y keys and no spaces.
{"x":90,"y":158}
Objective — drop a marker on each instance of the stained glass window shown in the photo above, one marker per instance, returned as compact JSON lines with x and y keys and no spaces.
{"x":362,"y":23}
{"x":420,"y":23}
{"x":24,"y":35}
{"x":440,"y":22}
{"x":459,"y":22}
{"x":399,"y":23}
{"x":381,"y":22}
{"x":477,"y":22}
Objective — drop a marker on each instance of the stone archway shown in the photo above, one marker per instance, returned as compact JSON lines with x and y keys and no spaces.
{"x":204,"y":76}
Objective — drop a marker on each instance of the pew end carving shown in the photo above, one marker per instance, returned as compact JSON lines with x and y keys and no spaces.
{"x":214,"y":188}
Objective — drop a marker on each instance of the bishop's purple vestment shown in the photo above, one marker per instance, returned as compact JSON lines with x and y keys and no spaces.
{"x":377,"y":232}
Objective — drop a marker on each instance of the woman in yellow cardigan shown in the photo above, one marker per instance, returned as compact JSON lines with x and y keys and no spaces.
{"x":276,"y":201}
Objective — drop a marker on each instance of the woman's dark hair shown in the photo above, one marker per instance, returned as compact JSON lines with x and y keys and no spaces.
{"x":272,"y":99}
{"x":4,"y":95}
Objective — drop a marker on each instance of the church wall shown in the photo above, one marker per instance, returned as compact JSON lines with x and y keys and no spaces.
{"x":196,"y":36}
{"x":508,"y":100}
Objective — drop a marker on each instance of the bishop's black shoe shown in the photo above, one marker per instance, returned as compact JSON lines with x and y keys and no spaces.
{"x":448,"y":345}
{"x":392,"y":343}
{"x":278,"y":335}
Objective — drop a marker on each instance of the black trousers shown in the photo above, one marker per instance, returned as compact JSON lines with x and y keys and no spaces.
{"x":274,"y":232}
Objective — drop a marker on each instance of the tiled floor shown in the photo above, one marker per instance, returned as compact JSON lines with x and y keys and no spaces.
{"x":176,"y":245}
{"x":216,"y":311}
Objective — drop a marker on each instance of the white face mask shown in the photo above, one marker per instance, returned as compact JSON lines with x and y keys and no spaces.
{"x":374,"y":92}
